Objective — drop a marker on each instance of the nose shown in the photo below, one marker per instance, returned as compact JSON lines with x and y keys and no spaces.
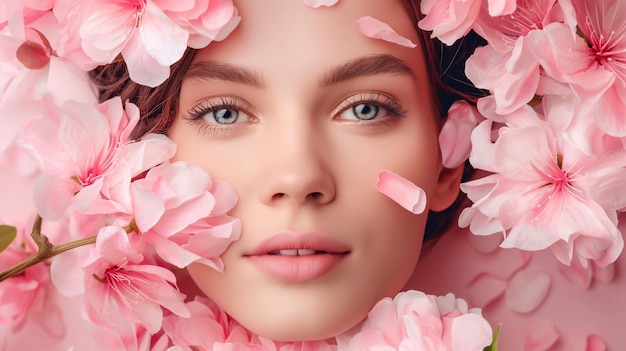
{"x":296,"y":168}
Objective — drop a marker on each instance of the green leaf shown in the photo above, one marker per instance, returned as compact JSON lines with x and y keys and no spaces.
{"x":7,"y":235}
{"x":496,"y":340}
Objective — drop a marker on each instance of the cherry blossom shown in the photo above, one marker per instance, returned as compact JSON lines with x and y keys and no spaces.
{"x":119,"y":287}
{"x":150,"y":35}
{"x":96,"y":33}
{"x":75,"y":145}
{"x":512,"y":77}
{"x":595,"y":66}
{"x":179,"y":210}
{"x":206,"y":326}
{"x":502,"y":31}
{"x":449,"y":20}
{"x":548,"y":193}
{"x":19,"y":295}
{"x":18,"y":13}
{"x":413,"y":320}
{"x":205,"y":20}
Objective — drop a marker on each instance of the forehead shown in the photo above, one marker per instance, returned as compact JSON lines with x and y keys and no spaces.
{"x":285,"y":35}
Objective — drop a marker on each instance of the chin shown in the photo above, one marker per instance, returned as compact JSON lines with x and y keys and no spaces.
{"x":297,"y":326}
{"x":294,"y":333}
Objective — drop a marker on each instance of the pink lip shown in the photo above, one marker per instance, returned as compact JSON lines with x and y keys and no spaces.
{"x":297,"y":268}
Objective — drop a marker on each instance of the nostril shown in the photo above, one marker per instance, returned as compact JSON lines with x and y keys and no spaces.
{"x":278,"y":196}
{"x":316,"y":195}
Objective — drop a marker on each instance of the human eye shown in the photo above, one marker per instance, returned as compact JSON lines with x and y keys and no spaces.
{"x":218,"y":114}
{"x":370,"y":106}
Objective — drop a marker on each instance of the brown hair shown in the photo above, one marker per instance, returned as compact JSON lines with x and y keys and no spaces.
{"x":158,"y":106}
{"x":446,"y":70}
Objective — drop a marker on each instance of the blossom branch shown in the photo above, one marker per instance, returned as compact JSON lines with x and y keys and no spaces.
{"x":45,"y":250}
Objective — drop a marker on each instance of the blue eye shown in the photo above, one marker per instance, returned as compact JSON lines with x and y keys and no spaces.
{"x":370,"y":106}
{"x":220,"y":111}
{"x":365,"y":111}
{"x":222,"y":116}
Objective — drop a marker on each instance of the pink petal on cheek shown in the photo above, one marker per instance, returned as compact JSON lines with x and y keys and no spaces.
{"x":402,"y":191}
{"x":317,"y":3}
{"x":376,"y":29}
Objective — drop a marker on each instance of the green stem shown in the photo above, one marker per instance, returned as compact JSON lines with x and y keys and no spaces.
{"x":45,"y":250}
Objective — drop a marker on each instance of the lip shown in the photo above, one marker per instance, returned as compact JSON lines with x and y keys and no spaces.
{"x":297,"y":268}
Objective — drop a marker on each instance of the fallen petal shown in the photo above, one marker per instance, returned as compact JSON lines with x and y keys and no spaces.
{"x":595,"y":343}
{"x":527,"y":290}
{"x":540,"y":336}
{"x":376,"y":29}
{"x":402,"y":191}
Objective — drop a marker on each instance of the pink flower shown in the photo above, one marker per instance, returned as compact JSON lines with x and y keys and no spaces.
{"x":595,"y":67}
{"x":23,"y":12}
{"x":502,"y":31}
{"x":150,"y":35}
{"x":176,"y":207}
{"x":35,"y":51}
{"x":210,"y":329}
{"x":547,"y":192}
{"x":120,"y":288}
{"x":181,"y":212}
{"x":415,"y":321}
{"x":206,"y":326}
{"x":205,"y":20}
{"x":454,"y":138}
{"x":512,"y":77}
{"x":76,"y":146}
{"x":317,"y":345}
{"x":449,"y":20}
{"x":94,"y":33}
{"x":18,"y":295}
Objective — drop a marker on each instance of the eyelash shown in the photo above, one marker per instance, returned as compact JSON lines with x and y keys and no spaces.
{"x":388,"y":103}
{"x":197,"y":113}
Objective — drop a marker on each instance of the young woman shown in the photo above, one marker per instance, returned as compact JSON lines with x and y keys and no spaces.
{"x":300,"y":112}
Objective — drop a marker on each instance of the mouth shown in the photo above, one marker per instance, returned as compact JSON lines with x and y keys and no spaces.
{"x":298,"y":244}
{"x":299,"y":257}
{"x":301,"y":252}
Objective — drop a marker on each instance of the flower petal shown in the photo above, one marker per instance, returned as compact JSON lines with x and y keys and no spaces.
{"x":527,"y":290}
{"x":408,"y":195}
{"x":376,"y":29}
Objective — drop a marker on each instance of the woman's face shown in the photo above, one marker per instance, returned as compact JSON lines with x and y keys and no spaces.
{"x":300,"y":112}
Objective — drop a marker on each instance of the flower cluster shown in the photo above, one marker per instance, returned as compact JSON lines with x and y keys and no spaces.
{"x":110,"y":216}
{"x":118,"y":216}
{"x":411,"y":320}
{"x":550,"y":131}
{"x":149,"y":35}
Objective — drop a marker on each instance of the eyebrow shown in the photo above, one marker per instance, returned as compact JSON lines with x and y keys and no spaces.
{"x":359,"y":67}
{"x":367,"y":66}
{"x":223,"y":71}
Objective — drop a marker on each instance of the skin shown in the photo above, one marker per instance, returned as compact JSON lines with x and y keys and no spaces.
{"x":300,"y":160}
